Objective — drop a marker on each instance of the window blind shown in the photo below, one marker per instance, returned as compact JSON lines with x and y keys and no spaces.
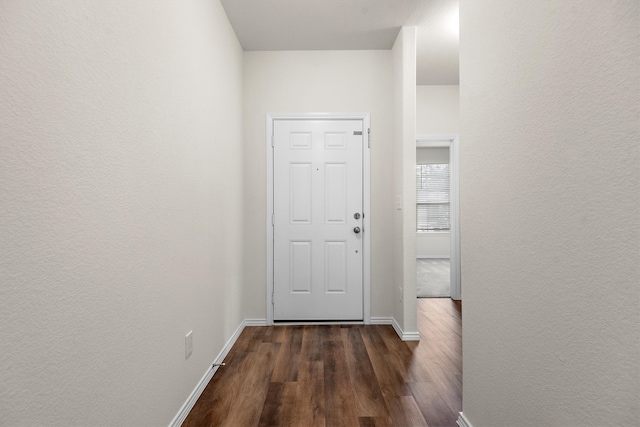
{"x":432,"y":197}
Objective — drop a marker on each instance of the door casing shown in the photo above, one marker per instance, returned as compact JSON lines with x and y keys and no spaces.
{"x":366,"y":232}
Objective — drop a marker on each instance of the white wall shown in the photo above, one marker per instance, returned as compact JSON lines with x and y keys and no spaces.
{"x":404,"y":179}
{"x":437,"y":110}
{"x":426,"y":155}
{"x":121,"y":207}
{"x":317,"y":81}
{"x":433,"y":244}
{"x":550,"y":188}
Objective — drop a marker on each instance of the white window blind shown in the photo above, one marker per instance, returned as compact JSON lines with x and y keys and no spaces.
{"x":432,"y":197}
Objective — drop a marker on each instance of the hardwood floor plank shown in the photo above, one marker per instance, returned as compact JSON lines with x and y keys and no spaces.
{"x":247,"y":405}
{"x":272,"y":403}
{"x":369,"y":398}
{"x":338,"y":392}
{"x":310,"y":396}
{"x":279,"y":406}
{"x":278,"y":333}
{"x":249,"y":339}
{"x":434,"y":408}
{"x":309,"y":399}
{"x":268,"y":335}
{"x":331,"y":333}
{"x":311,"y":347}
{"x":405,"y":412}
{"x":375,"y":422}
{"x":286,"y":369}
{"x":402,"y":355}
{"x":390,"y":378}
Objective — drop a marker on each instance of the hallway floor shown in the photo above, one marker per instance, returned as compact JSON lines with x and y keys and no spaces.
{"x":333,"y":375}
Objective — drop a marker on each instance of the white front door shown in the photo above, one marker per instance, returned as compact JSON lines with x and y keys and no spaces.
{"x":318,"y":219}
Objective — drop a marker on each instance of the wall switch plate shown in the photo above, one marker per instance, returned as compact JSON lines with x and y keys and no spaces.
{"x":188,"y":344}
{"x":399,"y":202}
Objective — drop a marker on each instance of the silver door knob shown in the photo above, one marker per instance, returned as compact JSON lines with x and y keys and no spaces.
{"x":356,"y":230}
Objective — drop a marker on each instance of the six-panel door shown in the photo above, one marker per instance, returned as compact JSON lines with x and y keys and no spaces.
{"x":318,"y":199}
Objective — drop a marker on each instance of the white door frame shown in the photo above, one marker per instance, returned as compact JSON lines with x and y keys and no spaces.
{"x":452,"y":142}
{"x":366,"y":231}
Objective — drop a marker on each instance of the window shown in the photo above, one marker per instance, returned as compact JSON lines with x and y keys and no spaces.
{"x":432,"y":197}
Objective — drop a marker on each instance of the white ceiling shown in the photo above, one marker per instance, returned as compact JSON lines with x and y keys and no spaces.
{"x":352,"y":25}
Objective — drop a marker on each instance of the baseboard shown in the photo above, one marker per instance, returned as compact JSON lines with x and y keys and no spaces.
{"x":381,"y":321}
{"x":404,"y":336}
{"x":255,"y":322}
{"x":432,"y":257}
{"x":397,"y":327}
{"x":197,"y":391}
{"x":462,"y":421}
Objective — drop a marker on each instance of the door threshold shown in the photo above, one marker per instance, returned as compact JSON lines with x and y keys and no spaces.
{"x":317,"y":322}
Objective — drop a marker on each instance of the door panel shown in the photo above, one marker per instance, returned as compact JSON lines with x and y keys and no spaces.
{"x":300,"y":267}
{"x":318,"y":184}
{"x":335,"y":261}
{"x":300,"y":193}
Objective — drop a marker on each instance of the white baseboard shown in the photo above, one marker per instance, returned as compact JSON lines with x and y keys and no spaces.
{"x":432,"y":257}
{"x":404,"y":336}
{"x":462,"y":421}
{"x":197,"y":391}
{"x":381,"y":321}
{"x":255,"y":322}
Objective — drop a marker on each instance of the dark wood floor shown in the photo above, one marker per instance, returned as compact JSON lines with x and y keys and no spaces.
{"x":333,"y":375}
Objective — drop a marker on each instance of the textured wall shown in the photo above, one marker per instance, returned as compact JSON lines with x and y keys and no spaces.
{"x":550,"y":214}
{"x":120,"y":231}
{"x":404,"y":179}
{"x":438,"y":110}
{"x":308,"y":82}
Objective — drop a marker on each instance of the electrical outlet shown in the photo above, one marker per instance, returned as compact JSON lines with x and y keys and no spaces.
{"x":188,"y":344}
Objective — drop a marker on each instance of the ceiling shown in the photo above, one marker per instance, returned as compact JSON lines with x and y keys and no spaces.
{"x":353,"y":25}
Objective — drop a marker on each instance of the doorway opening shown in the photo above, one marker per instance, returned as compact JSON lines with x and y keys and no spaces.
{"x":437,"y":213}
{"x":322,"y":291}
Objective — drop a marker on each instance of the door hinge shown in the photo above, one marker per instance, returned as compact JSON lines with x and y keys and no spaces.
{"x":369,"y":138}
{"x":273,"y":296}
{"x":272,"y":138}
{"x":273,"y":220}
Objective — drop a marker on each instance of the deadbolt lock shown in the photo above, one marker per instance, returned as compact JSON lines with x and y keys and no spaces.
{"x":356,"y":215}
